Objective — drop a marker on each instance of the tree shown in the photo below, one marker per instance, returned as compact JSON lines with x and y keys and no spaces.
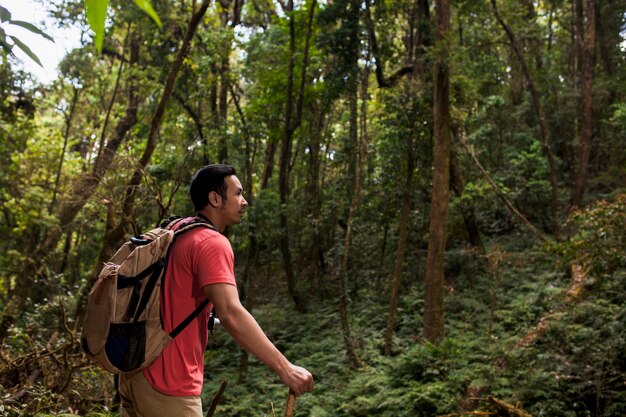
{"x":433,"y":292}
{"x":419,"y":39}
{"x":586,"y":97}
{"x":291,"y":123}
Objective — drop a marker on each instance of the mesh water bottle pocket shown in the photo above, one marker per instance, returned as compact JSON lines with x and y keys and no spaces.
{"x":126,"y":345}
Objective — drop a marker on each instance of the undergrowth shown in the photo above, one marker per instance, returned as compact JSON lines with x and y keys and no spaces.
{"x":574,"y":366}
{"x":512,"y":333}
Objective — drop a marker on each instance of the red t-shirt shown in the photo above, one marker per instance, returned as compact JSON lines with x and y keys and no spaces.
{"x":198,"y":258}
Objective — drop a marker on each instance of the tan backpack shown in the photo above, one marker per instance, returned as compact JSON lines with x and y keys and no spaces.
{"x":123,"y":331}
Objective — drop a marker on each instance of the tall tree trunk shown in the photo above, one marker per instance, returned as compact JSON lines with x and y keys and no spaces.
{"x":541,"y":118}
{"x":224,"y":69}
{"x":434,"y":281}
{"x":398,"y":266}
{"x":66,"y":137}
{"x":586,"y":112}
{"x":84,"y":187}
{"x":420,"y":39}
{"x":285,"y":158}
{"x":358,"y":141}
{"x":313,"y":257}
{"x":250,"y":270}
{"x":118,"y":78}
{"x":291,"y":124}
{"x":115,"y":233}
{"x":467,"y":211}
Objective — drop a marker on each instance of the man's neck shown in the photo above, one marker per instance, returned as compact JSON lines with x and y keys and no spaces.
{"x":212,"y":218}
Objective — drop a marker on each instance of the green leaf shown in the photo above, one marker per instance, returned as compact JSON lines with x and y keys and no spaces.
{"x":26,"y":49}
{"x":32,"y":28}
{"x":146,"y":6}
{"x":4,"y":14}
{"x":96,"y":11}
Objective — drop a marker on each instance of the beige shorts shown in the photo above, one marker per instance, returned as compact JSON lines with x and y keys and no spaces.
{"x":139,"y":399}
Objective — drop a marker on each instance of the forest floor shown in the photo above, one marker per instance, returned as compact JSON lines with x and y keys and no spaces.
{"x":512,"y":324}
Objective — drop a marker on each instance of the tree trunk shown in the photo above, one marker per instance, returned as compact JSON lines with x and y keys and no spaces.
{"x":313,"y":257}
{"x":224,"y":69}
{"x":467,"y":212}
{"x":66,"y":138}
{"x":541,"y":118}
{"x":291,"y":124}
{"x":285,"y":158}
{"x":398,"y":266}
{"x":586,"y":112}
{"x":250,"y":270}
{"x":419,"y":40}
{"x":434,"y":281}
{"x":118,"y":78}
{"x":358,"y":150}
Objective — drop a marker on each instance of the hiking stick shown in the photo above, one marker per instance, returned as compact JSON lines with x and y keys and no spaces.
{"x":291,"y":402}
{"x":216,"y":399}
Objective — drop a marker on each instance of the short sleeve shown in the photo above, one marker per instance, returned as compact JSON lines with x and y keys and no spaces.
{"x":213,"y":261}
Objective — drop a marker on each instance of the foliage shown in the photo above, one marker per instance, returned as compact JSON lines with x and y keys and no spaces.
{"x":5,"y":18}
{"x":598,"y":242}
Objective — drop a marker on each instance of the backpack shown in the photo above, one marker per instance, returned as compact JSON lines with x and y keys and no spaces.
{"x":122,"y":331}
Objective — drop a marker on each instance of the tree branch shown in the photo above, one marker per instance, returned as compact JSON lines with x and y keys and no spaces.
{"x":378,"y":63}
{"x":461,"y":137}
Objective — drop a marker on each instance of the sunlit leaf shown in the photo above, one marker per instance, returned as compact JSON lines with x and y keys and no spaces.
{"x":32,"y":28}
{"x":96,"y":11}
{"x":26,"y":50}
{"x":146,"y":6}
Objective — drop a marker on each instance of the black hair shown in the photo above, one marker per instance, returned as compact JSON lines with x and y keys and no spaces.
{"x":206,"y":179}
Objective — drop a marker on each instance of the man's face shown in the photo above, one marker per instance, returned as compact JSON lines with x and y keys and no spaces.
{"x":235,"y":204}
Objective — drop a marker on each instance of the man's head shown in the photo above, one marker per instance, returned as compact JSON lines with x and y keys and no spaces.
{"x":217,"y":192}
{"x":206,"y":179}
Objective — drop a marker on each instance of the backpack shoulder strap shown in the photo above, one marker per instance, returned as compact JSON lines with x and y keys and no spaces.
{"x":180,"y":227}
{"x":189,"y":318}
{"x":170,"y":222}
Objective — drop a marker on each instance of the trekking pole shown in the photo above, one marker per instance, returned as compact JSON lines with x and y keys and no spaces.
{"x":216,"y":399}
{"x":291,"y":402}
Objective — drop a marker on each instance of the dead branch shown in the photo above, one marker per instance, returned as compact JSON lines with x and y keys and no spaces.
{"x":507,"y":409}
{"x":461,"y":137}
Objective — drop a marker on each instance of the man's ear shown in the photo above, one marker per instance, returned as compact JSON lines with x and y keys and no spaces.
{"x":214,"y":199}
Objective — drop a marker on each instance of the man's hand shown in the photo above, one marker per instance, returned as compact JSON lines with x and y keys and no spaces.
{"x":298,"y":379}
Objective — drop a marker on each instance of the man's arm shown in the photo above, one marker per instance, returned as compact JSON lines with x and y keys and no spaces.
{"x":240,"y":324}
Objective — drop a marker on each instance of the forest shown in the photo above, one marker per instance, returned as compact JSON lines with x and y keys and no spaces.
{"x":437,"y":198}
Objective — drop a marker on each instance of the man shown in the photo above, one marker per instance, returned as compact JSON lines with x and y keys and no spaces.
{"x":201,"y":265}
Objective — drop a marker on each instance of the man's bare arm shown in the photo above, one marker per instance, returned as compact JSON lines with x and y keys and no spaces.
{"x":240,"y":324}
